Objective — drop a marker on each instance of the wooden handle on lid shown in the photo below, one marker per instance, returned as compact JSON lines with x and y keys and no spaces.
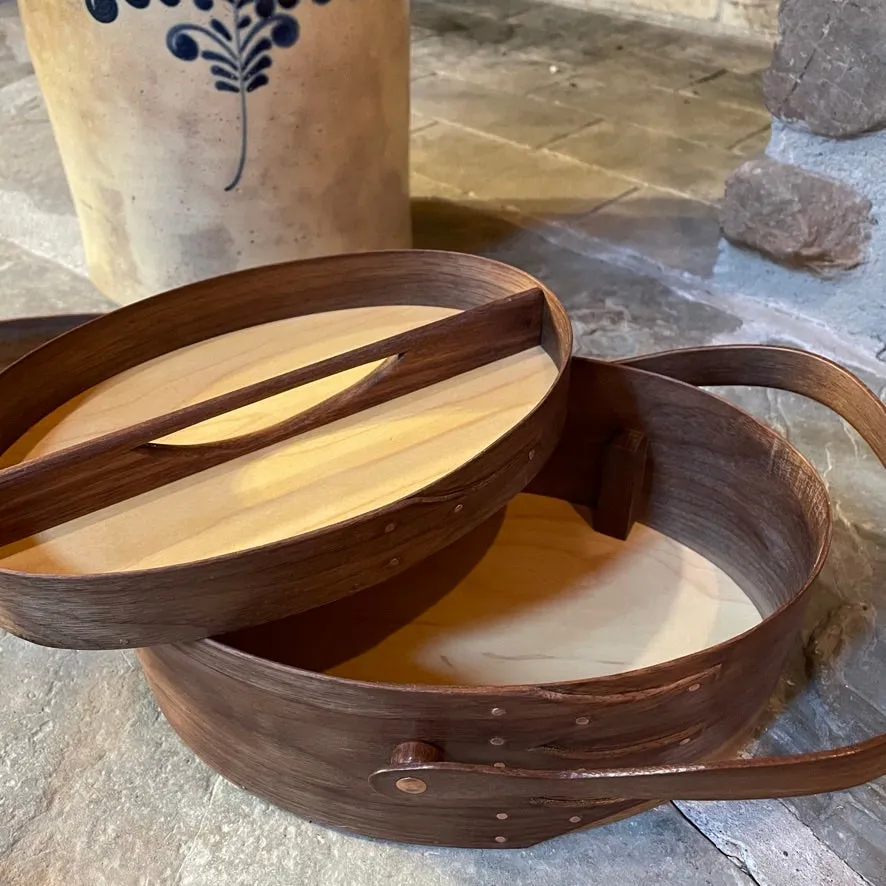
{"x":44,"y":492}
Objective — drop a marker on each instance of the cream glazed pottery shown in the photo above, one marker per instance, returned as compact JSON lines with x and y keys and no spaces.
{"x":201,"y":137}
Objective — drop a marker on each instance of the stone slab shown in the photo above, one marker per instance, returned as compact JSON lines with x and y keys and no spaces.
{"x":675,"y":232}
{"x":521,"y":119}
{"x":727,"y":87}
{"x":31,"y":286}
{"x":14,"y":61}
{"x":758,"y":18}
{"x":770,"y":843}
{"x":493,"y":171}
{"x":681,"y":115}
{"x":650,"y":157}
{"x":615,"y":312}
{"x":721,"y":52}
{"x":641,"y":70}
{"x":754,"y":145}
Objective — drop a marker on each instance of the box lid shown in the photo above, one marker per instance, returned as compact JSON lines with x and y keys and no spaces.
{"x":256,"y":445}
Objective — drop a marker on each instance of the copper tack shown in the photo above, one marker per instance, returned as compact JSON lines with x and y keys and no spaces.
{"x":411,"y":785}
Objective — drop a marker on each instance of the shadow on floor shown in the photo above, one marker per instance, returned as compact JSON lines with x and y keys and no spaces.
{"x":675,"y":233}
{"x":615,"y":311}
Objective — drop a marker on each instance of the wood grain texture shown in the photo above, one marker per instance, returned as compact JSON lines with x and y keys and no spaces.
{"x":534,"y":595}
{"x":825,"y":771}
{"x":339,"y":547}
{"x":367,"y":461}
{"x":621,"y":490}
{"x":21,"y":336}
{"x":410,"y":361}
{"x":717,"y":481}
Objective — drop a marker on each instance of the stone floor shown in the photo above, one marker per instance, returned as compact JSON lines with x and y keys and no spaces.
{"x":614,"y":130}
{"x":589,"y":151}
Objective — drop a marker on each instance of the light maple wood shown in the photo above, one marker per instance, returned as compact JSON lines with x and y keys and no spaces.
{"x":324,"y":476}
{"x":47,"y":491}
{"x":534,"y":596}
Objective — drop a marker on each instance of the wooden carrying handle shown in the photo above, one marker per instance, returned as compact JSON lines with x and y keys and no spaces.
{"x":417,"y":769}
{"x":787,"y":369}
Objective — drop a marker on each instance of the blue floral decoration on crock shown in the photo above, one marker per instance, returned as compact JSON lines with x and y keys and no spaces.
{"x":238,"y":50}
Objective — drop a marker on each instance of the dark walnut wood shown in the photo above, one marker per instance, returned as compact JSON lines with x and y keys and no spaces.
{"x":622,"y":478}
{"x":511,"y":766}
{"x":144,"y":607}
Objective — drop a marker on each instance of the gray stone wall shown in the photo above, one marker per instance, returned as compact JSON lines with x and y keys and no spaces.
{"x":825,"y":88}
{"x":753,"y":18}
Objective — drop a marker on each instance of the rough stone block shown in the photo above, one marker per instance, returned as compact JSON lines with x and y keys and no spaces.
{"x":829,"y":66}
{"x":795,"y":216}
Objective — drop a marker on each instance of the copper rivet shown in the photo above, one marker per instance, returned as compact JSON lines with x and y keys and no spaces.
{"x":498,"y":742}
{"x":499,"y":765}
{"x":686,"y":741}
{"x":390,"y":527}
{"x":582,"y":721}
{"x":575,"y":819}
{"x":501,"y":816}
{"x":498,"y":712}
{"x":411,"y":785}
{"x":694,"y":687}
{"x":394,"y":562}
{"x":501,"y":839}
{"x":459,"y":509}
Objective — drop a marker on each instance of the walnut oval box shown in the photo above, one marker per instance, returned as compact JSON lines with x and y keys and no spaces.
{"x":500,"y":679}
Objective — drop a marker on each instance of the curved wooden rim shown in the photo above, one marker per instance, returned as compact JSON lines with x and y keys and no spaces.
{"x":824,"y":771}
{"x":73,"y":611}
{"x":219,"y":654}
{"x":700,"y":704}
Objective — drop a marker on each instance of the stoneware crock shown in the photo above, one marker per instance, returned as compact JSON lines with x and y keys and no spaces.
{"x":201,"y":137}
